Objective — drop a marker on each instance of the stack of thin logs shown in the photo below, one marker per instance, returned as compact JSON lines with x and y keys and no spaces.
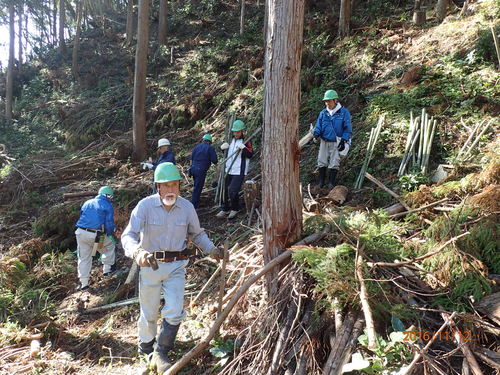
{"x":475,"y":135}
{"x":422,"y":129}
{"x":374,"y":134}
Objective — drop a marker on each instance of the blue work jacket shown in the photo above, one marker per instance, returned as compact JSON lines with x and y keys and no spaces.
{"x":95,"y":212}
{"x":329,"y":127}
{"x":167,"y":156}
{"x":202,"y":155}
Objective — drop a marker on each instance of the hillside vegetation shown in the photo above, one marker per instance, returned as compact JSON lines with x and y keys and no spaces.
{"x":76,"y":135}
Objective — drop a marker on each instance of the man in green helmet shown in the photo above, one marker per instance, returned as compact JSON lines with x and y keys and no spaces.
{"x":156,"y":238}
{"x":236,"y":168}
{"x":96,"y":224}
{"x":334,"y":129}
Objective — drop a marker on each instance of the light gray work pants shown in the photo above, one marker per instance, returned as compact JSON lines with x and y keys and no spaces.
{"x":169,"y":278}
{"x":329,"y":155}
{"x":85,"y":242}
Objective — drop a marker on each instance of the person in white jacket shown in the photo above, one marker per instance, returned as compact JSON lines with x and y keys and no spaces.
{"x":236,"y":168}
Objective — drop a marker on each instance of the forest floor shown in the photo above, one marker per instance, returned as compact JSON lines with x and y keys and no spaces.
{"x":37,"y":216}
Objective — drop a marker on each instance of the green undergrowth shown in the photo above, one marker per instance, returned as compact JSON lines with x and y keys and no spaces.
{"x":333,"y":267}
{"x":463,"y":268}
{"x":459,"y":272}
{"x":29,"y":294}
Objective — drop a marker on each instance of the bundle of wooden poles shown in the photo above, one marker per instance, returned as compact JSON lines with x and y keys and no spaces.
{"x":421,"y":129}
{"x":372,"y":141}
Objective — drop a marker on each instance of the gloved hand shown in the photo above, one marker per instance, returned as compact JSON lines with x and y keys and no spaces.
{"x":144,"y":258}
{"x":224,"y":146}
{"x":341,"y":145}
{"x":315,"y":139}
{"x":217,"y":253}
{"x":146,"y":165}
{"x":241,"y":146}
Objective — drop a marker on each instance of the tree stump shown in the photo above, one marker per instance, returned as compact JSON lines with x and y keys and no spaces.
{"x":419,"y":17}
{"x":251,"y":194}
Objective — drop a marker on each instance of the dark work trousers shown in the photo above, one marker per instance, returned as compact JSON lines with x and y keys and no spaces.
{"x":199,"y":180}
{"x":232,"y":189}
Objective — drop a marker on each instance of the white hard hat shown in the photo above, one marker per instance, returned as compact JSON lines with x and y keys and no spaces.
{"x":163,"y":142}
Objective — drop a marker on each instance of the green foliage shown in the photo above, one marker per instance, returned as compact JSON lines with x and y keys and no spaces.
{"x":485,"y":46}
{"x":377,"y":233}
{"x":463,"y":268}
{"x":387,"y":355}
{"x":411,"y":182}
{"x":59,"y":221}
{"x":222,"y":349}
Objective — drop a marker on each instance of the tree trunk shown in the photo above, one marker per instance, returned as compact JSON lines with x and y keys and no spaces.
{"x":62,"y":23}
{"x":281,"y":202}
{"x":130,"y":21}
{"x":345,"y":18}
{"x":76,"y":40}
{"x":54,"y":23}
{"x":10,"y":67}
{"x":141,"y":57}
{"x":441,"y":9}
{"x":162,"y":26}
{"x":242,"y":17}
{"x":20,"y":38}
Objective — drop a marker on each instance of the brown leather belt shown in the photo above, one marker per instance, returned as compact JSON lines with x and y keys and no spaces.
{"x":171,"y":256}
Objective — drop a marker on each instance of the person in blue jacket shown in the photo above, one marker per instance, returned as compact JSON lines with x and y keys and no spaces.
{"x":166,"y":155}
{"x":202,"y":156}
{"x":334,"y":129}
{"x":96,"y":219}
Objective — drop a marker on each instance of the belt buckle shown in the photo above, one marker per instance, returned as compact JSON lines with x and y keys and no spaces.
{"x":159,"y":255}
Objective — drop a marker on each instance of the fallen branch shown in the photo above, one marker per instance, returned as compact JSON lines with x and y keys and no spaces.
{"x":387,"y":190}
{"x":417,"y":357}
{"x":230,"y":305}
{"x":418,"y":209}
{"x":429,"y":254}
{"x":363,"y":296}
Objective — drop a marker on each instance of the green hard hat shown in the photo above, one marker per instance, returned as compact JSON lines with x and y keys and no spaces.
{"x":166,"y":172}
{"x":238,"y":125}
{"x":106,"y":190}
{"x":331,"y":94}
{"x":207,"y":137}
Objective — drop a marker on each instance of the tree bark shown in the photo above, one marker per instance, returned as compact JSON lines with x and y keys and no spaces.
{"x":76,"y":42}
{"x":281,"y":201}
{"x":54,"y":23}
{"x":62,"y":24}
{"x":20,"y":37}
{"x":130,"y":21}
{"x":441,"y":9}
{"x":242,"y":17}
{"x":141,"y":57}
{"x":162,"y":25}
{"x":344,"y":18}
{"x":10,"y":67}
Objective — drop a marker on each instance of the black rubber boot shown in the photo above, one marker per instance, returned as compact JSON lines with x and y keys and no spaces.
{"x":166,"y":339}
{"x":331,"y":178}
{"x":146,"y":348}
{"x":322,"y":176}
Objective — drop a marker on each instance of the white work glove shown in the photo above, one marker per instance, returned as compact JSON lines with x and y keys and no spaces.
{"x":224,"y":146}
{"x":146,"y":165}
{"x":144,"y":258}
{"x":217,"y":253}
{"x":241,"y":146}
